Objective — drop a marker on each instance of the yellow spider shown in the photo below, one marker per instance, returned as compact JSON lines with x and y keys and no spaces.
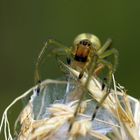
{"x":86,"y":55}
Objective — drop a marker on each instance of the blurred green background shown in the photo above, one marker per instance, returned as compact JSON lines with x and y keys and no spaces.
{"x":25,"y":25}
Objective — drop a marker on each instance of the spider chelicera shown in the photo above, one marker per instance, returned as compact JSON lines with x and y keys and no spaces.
{"x":86,"y":55}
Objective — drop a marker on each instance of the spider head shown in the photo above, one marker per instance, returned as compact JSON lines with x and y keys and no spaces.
{"x":83,"y":44}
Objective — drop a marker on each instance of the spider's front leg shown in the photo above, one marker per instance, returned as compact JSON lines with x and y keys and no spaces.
{"x":112,"y":69}
{"x":51,"y":47}
{"x":109,"y":82}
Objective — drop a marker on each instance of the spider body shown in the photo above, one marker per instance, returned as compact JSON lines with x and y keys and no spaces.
{"x":88,"y":55}
{"x":85,"y":47}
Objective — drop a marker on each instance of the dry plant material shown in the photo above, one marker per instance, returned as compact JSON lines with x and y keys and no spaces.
{"x":118,"y":119}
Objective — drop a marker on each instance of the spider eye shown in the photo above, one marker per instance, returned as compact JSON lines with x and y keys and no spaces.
{"x":85,"y":43}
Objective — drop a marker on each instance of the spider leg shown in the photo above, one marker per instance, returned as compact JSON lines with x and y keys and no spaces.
{"x":112,"y":68}
{"x":109,"y":82}
{"x":87,"y":64}
{"x":107,"y":53}
{"x":58,"y":50}
{"x":114,"y":52}
{"x":99,"y":68}
{"x":106,"y":45}
{"x":92,"y":63}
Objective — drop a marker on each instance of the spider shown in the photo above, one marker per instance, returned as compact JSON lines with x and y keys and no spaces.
{"x":86,"y":55}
